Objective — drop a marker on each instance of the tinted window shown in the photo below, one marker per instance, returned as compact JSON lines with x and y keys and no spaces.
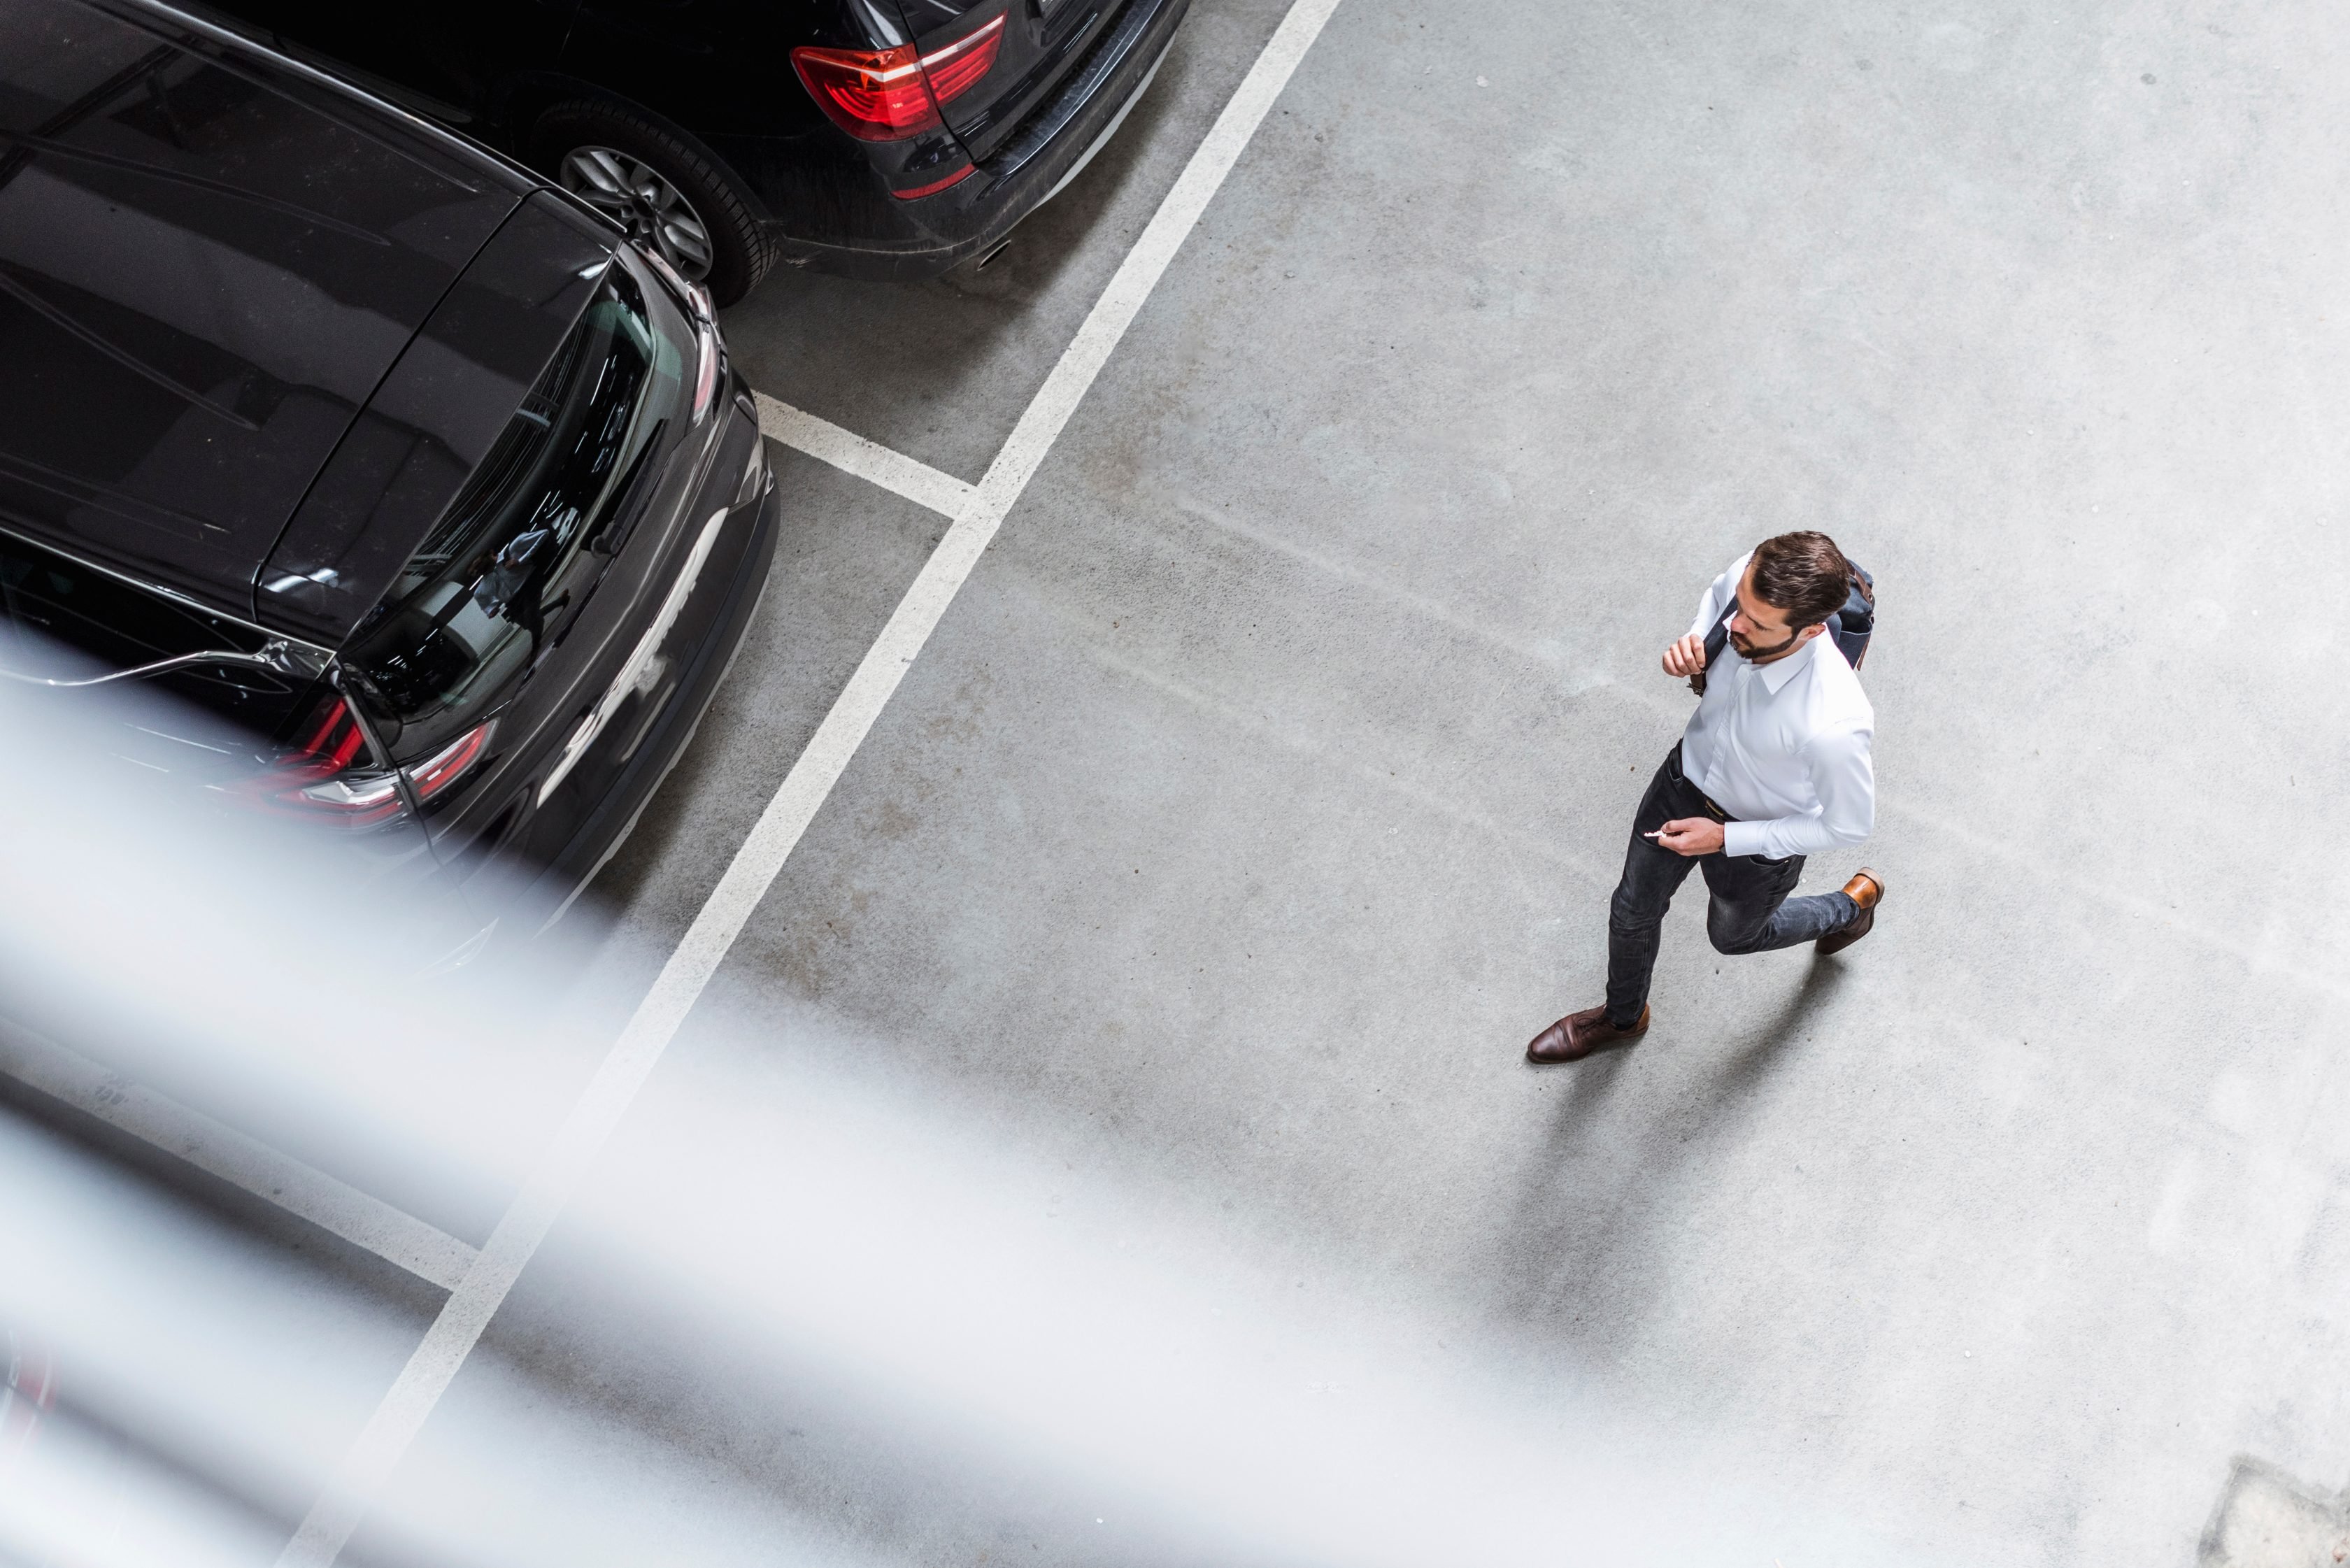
{"x":62,"y":620}
{"x":500,"y":572}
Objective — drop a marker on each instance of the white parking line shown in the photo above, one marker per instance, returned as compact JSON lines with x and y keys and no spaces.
{"x":395,"y":1421}
{"x":846,"y":450}
{"x":221,"y":1150}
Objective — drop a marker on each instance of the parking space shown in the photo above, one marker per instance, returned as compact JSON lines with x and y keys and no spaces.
{"x":942,"y":371}
{"x":1260,"y":789}
{"x":840,"y":570}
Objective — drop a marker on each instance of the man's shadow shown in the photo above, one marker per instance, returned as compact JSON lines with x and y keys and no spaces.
{"x":1576,"y":1252}
{"x":1766,"y":1045}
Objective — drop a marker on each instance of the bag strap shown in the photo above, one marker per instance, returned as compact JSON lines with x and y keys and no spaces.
{"x":1715,"y":641}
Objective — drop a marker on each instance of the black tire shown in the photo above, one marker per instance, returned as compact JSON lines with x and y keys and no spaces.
{"x":739,"y":253}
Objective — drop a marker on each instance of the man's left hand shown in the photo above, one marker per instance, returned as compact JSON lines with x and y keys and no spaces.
{"x":1692,"y":835}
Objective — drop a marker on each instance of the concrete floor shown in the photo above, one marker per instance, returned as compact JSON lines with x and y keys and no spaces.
{"x":1261,"y":793}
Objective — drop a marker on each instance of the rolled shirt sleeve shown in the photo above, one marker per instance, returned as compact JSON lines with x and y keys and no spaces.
{"x":1845,"y":781}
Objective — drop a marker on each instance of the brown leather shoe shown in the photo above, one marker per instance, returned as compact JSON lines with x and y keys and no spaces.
{"x":1866,"y":889}
{"x":1578,"y":1034}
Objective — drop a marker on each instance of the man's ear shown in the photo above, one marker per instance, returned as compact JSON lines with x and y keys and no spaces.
{"x":1811,"y":631}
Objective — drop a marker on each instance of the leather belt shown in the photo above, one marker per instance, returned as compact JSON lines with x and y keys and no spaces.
{"x":1673,"y":763}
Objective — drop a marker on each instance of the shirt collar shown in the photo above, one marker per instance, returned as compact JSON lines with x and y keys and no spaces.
{"x":1779,"y":672}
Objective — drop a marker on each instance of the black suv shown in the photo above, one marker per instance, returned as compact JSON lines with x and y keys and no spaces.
{"x":878,"y":138}
{"x":432,"y":499}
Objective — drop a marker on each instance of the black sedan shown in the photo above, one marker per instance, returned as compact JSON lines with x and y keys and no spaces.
{"x":432,"y":500}
{"x":878,"y":138}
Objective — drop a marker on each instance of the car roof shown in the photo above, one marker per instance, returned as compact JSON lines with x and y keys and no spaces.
{"x":210,"y":257}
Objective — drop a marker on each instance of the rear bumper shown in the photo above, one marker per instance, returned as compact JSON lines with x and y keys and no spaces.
{"x":608,"y":826}
{"x":925,"y":236}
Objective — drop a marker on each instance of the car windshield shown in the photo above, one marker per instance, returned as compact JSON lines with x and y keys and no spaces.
{"x":518,"y":547}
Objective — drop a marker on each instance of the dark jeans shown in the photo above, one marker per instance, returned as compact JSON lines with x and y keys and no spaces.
{"x":1751,"y":911}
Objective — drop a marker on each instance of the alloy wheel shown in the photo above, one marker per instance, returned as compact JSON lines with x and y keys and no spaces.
{"x":631,"y":193}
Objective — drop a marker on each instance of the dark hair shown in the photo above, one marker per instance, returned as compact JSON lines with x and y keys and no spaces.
{"x":1803,"y":576}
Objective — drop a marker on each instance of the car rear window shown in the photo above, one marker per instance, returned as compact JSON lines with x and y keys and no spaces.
{"x":511,"y":556}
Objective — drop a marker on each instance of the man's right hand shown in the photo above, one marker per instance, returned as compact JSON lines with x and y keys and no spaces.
{"x":1686,"y":657}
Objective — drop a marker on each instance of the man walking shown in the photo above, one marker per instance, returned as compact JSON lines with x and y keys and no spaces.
{"x":1773,"y":767}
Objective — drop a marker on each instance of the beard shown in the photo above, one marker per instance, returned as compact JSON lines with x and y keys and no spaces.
{"x":1754,"y":652}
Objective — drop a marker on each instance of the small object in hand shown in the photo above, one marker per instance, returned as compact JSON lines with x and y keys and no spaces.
{"x":1660,"y":834}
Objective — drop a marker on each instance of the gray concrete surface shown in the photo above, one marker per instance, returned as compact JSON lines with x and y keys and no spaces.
{"x":1260,"y":796}
{"x":2267,"y":1520}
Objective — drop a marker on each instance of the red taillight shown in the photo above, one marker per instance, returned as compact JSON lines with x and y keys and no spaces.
{"x":873,"y":96}
{"x":889,"y":95}
{"x":956,"y":70}
{"x":935,"y":186}
{"x":28,"y":1390}
{"x":356,"y":801}
{"x":440,"y":770}
{"x":312,"y":778}
{"x":332,"y":743}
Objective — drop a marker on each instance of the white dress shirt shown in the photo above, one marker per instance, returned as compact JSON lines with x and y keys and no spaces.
{"x":1781,"y":746}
